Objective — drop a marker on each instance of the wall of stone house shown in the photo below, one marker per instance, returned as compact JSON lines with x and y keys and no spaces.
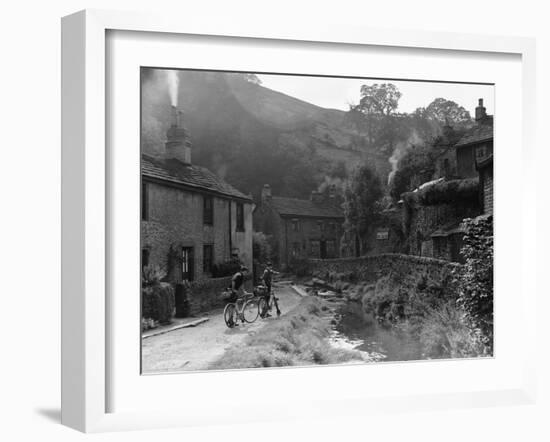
{"x":466,"y":163}
{"x":411,"y":270}
{"x":309,"y":229}
{"x":175,"y":218}
{"x":241,"y":241}
{"x":206,"y":294}
{"x":446,"y":165}
{"x":265,"y":220}
{"x":422,"y":221}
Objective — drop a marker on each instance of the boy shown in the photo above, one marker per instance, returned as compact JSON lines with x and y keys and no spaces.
{"x":267,"y":278}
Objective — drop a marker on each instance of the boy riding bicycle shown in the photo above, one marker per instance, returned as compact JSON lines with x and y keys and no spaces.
{"x":237,"y":286}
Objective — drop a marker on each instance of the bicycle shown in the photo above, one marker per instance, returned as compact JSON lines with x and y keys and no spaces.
{"x":267,"y":300}
{"x":248,"y":312}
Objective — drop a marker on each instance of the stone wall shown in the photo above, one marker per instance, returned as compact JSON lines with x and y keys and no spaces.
{"x":410,"y":269}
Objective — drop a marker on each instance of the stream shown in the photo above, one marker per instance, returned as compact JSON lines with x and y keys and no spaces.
{"x":360,"y":331}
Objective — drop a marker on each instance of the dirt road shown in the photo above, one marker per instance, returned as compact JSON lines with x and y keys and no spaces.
{"x":196,"y":347}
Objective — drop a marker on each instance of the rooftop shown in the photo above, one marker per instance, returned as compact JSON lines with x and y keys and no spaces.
{"x":482,"y":131}
{"x":299,"y":207}
{"x":175,"y":172}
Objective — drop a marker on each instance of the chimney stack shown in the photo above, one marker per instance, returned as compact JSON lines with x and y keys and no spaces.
{"x":177,"y":144}
{"x":332,"y":192}
{"x":481,"y":112}
{"x":266,"y":193}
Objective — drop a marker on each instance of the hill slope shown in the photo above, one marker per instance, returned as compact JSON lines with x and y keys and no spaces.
{"x":250,"y":134}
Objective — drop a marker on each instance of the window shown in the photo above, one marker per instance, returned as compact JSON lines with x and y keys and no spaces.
{"x":144,"y":257}
{"x":315,"y":248}
{"x":321,"y":225}
{"x":295,"y":225}
{"x":295,"y":250}
{"x":207,"y":258}
{"x":144,"y":202}
{"x":240,"y":217}
{"x":208,"y":210}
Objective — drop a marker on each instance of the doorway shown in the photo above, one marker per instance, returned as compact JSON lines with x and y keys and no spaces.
{"x":323,"y":249}
{"x":187,"y":262}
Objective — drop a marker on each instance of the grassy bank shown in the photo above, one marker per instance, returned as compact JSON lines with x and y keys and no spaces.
{"x":298,"y":338}
{"x":429,"y":314}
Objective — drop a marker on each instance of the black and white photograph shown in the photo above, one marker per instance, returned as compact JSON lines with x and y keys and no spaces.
{"x":302,"y":220}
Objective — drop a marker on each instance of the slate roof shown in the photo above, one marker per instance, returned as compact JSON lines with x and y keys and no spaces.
{"x":449,"y":229}
{"x":189,"y":175}
{"x":298,"y":207}
{"x":480,"y":132}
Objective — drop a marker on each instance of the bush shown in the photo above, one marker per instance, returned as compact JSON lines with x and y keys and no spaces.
{"x":447,"y":333}
{"x":151,"y":275}
{"x":475,"y":278}
{"x":158,"y":302}
{"x":227,"y":268}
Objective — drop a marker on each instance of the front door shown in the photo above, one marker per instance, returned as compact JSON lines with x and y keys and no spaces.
{"x":323,"y":250}
{"x":187,"y":264}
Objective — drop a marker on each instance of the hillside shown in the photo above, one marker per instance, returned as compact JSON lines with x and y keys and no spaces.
{"x":250,"y":134}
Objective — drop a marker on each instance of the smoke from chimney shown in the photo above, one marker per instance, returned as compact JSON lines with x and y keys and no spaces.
{"x":173,"y":81}
{"x":399,"y":152}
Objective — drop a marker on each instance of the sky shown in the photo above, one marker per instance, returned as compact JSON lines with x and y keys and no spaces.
{"x":338,"y":93}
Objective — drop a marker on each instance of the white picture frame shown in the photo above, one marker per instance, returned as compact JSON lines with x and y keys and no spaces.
{"x":86,"y":215}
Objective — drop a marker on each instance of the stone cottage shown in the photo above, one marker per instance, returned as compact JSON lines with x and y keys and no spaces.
{"x":300,"y":228}
{"x":463,"y":188}
{"x":191,"y":219}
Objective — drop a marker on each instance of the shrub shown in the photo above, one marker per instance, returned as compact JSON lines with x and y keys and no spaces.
{"x":475,"y":278}
{"x":158,"y":303}
{"x":446,"y":332}
{"x":261,"y":248}
{"x":151,"y":275}
{"x":226,"y":268}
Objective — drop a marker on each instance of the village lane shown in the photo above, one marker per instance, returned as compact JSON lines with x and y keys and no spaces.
{"x":195,"y":348}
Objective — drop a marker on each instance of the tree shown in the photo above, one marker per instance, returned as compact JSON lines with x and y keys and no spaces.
{"x":373,"y":115}
{"x":379,"y":99}
{"x":362,"y":200}
{"x":445,"y":112}
{"x":416,"y":160}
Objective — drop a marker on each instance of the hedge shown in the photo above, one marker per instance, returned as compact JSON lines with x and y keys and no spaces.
{"x":158,"y":302}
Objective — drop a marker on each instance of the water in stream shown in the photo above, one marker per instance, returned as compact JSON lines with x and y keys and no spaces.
{"x":362,"y":332}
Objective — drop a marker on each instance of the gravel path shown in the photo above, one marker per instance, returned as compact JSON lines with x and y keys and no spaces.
{"x":197,"y":347}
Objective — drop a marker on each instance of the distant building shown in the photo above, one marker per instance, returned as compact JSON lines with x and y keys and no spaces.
{"x":300,"y":228}
{"x":462,"y":188}
{"x":190,"y":218}
{"x":476,"y":143}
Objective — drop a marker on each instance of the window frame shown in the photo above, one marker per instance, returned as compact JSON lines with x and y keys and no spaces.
{"x":207,"y":213}
{"x":207,"y":269}
{"x":144,"y":201}
{"x":239,"y":215}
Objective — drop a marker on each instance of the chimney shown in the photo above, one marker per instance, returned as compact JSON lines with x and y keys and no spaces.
{"x":332,"y":192}
{"x":266,"y":193}
{"x":481,"y":112}
{"x":316,"y":197}
{"x":177,"y":144}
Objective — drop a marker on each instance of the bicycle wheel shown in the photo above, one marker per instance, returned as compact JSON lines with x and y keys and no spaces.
{"x":262,"y":307}
{"x":230,"y":315}
{"x":250,"y":310}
